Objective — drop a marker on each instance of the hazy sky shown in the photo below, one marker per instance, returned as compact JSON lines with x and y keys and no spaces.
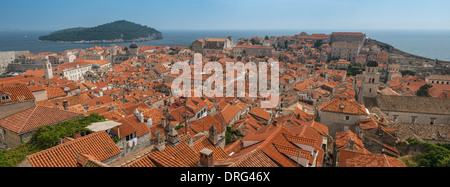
{"x":228,"y":14}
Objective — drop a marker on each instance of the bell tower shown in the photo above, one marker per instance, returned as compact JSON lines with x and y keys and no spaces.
{"x":48,"y":72}
{"x":369,"y":85}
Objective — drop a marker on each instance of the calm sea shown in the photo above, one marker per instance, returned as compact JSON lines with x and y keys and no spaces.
{"x":431,"y":44}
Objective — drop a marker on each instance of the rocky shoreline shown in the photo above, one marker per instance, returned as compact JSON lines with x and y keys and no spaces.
{"x":393,"y":50}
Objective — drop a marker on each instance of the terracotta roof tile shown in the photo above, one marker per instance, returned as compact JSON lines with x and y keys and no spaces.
{"x":344,"y":106}
{"x":34,"y":117}
{"x":16,"y":94}
{"x":373,"y":160}
{"x":229,"y":112}
{"x":203,"y":142}
{"x":99,"y":145}
{"x":183,"y":153}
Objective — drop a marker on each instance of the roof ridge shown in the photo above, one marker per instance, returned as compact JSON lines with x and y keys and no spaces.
{"x":387,"y":161}
{"x":26,"y":121}
{"x":270,"y":137}
{"x":67,"y":144}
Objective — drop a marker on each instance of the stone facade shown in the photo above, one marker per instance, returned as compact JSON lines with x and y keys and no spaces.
{"x":6,"y":58}
{"x":347,"y":37}
{"x":142,"y":142}
{"x":345,"y":50}
{"x":12,"y":108}
{"x":340,"y":122}
{"x":415,"y":110}
{"x":369,"y":85}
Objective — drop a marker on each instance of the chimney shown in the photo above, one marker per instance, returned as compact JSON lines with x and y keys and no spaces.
{"x":213,"y":135}
{"x":149,"y":122}
{"x":173,"y":137}
{"x":139,"y":115}
{"x":351,"y":144}
{"x":77,"y":134}
{"x":65,"y":105}
{"x":160,"y":141}
{"x":163,"y":122}
{"x":206,"y":158}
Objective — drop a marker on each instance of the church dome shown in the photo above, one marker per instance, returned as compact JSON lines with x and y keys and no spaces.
{"x":133,"y":46}
{"x":372,"y":64}
{"x":95,"y":66}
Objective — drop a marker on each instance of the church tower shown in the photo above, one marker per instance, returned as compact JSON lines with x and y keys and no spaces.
{"x":369,"y":85}
{"x":134,"y":49}
{"x":48,"y":72}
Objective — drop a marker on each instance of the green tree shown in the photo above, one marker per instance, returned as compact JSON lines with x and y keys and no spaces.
{"x":48,"y":136}
{"x":318,"y":44}
{"x":435,"y":156}
{"x":408,"y":72}
{"x":424,"y":90}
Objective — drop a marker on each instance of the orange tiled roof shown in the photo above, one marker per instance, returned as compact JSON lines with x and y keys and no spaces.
{"x":55,"y":91}
{"x":130,"y":124}
{"x":348,"y":154}
{"x":16,"y":93}
{"x":259,"y":112}
{"x":342,"y":139}
{"x":203,"y":142}
{"x":253,"y":158}
{"x":205,"y":124}
{"x":183,"y":153}
{"x":99,"y":145}
{"x":229,"y":112}
{"x":373,"y":160}
{"x":273,"y":142}
{"x":156,"y":159}
{"x":34,"y":117}
{"x":348,"y":106}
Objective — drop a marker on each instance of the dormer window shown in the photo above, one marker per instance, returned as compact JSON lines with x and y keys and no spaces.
{"x":5,"y":97}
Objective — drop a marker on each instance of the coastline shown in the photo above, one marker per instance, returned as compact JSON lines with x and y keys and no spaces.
{"x":104,"y":41}
{"x":393,"y":50}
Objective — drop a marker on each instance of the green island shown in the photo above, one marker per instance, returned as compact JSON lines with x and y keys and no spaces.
{"x":118,"y":31}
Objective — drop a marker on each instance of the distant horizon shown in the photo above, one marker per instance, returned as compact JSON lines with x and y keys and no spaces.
{"x":427,"y":43}
{"x":49,"y":15}
{"x":300,"y":30}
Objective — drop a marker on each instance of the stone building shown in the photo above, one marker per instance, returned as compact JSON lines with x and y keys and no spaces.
{"x":73,"y":70}
{"x":14,"y":99}
{"x":9,"y":57}
{"x":6,"y":58}
{"x":20,"y":127}
{"x":415,"y":110}
{"x":438,"y":79}
{"x":347,"y":37}
{"x":131,"y":53}
{"x":48,"y":72}
{"x":378,"y":137}
{"x":370,"y":82}
{"x":341,"y":114}
{"x":134,"y":133}
{"x":197,"y":45}
{"x":217,"y":45}
{"x":346,"y":50}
